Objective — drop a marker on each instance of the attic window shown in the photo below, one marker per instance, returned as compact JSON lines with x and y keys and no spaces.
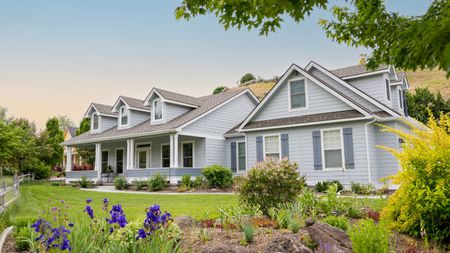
{"x":95,"y":121}
{"x":157,"y":109}
{"x":297,"y":94}
{"x":123,"y":116}
{"x":388,"y":90}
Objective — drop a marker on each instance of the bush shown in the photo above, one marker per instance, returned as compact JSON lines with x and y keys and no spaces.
{"x":364,"y":189}
{"x":337,"y":221}
{"x":271,"y":184}
{"x":421,"y":206}
{"x":368,"y":237}
{"x":247,"y":77}
{"x":217,"y":176}
{"x":186,"y":181}
{"x":157,"y":183}
{"x":248,"y":233}
{"x":22,"y":236}
{"x":237,"y":181}
{"x":294,"y":226}
{"x":219,"y":89}
{"x":84,"y":182}
{"x":140,"y":184}
{"x":199,"y":182}
{"x":120,"y":183}
{"x":323,"y":186}
{"x":41,"y":171}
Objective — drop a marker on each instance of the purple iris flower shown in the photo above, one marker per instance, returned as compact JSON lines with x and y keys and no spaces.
{"x":89,"y":200}
{"x":141,"y":234}
{"x":89,"y":211}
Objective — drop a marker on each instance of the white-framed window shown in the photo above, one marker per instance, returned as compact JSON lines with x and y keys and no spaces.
{"x":400,"y":98}
{"x":120,"y":158}
{"x":187,"y":154}
{"x":297,"y":94}
{"x":241,"y":156}
{"x":388,"y":89}
{"x":105,"y":159}
{"x":157,"y":110}
{"x":165,"y":155}
{"x":123,"y":116}
{"x":332,"y":149}
{"x":272,"y":147}
{"x":143,"y":155}
{"x":95,"y":120}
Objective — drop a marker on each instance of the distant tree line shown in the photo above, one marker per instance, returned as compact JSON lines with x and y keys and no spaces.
{"x":423,"y":100}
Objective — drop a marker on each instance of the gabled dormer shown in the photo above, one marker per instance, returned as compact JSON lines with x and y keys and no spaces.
{"x":102,"y":117}
{"x":166,"y":105}
{"x":130,"y":112}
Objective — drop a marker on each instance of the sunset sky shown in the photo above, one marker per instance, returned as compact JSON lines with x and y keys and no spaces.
{"x":58,"y":56}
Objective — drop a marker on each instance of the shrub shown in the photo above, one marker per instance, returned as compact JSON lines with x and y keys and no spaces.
{"x":364,"y":189}
{"x":368,"y":237}
{"x":421,"y":205}
{"x":294,"y":226}
{"x":120,"y":183}
{"x":283,"y":218}
{"x":217,"y":176}
{"x":140,"y":184}
{"x":199,"y":182}
{"x":323,"y":186}
{"x":186,"y":181}
{"x":237,"y":181}
{"x":157,"y":183}
{"x":247,"y":77}
{"x":219,"y":89}
{"x":22,"y":236}
{"x":337,"y":221}
{"x":271,"y":184}
{"x":356,"y":188}
{"x":84,"y":182}
{"x":248,"y":233}
{"x":41,"y":171}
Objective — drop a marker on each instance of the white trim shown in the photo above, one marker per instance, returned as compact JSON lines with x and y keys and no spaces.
{"x":400,"y":98}
{"x":369,"y":169}
{"x":237,"y":156}
{"x":246,"y":152}
{"x":366,"y":74}
{"x":161,"y":160}
{"x":179,"y":103}
{"x":193,"y":153}
{"x":350,"y":87}
{"x":92,"y":106}
{"x":98,"y":129}
{"x":387,"y":88}
{"x":153,"y":110}
{"x":148,"y":150}
{"x":114,"y":107}
{"x":154,"y":91}
{"x":306,"y":94}
{"x":279,"y":144}
{"x":209,"y":136}
{"x":324,"y":168}
{"x":306,"y":124}
{"x":123,"y":160}
{"x":127,"y":111}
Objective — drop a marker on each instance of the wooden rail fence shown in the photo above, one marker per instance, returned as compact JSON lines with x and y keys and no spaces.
{"x":6,"y":191}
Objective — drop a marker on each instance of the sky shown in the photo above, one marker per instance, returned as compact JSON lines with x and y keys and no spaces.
{"x":56,"y":57}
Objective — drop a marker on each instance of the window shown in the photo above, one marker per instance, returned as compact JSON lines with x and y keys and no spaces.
{"x":165,"y":155}
{"x":332,"y":148}
{"x":119,"y":161}
{"x":157,"y":109}
{"x":95,"y":121}
{"x":388,"y":90}
{"x":188,"y":154}
{"x":105,"y":158}
{"x":297,"y":93}
{"x":272,"y":147}
{"x":123,"y":115}
{"x":241,"y":156}
{"x":400,"y":98}
{"x":143,"y":155}
{"x":142,"y":159}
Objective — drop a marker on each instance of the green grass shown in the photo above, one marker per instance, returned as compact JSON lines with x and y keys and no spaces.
{"x":37,"y":197}
{"x":7,"y":179}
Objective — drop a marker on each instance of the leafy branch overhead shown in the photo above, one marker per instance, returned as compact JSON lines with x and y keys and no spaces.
{"x":408,"y":42}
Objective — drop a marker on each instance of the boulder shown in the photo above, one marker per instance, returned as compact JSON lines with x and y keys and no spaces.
{"x":286,"y":244}
{"x":224,"y":249}
{"x":329,"y":238}
{"x":184,"y":221}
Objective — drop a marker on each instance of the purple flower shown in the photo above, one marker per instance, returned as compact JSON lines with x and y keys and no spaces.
{"x":89,"y":211}
{"x":111,"y":229}
{"x":71,"y":224}
{"x":105,"y":201}
{"x":141,"y":234}
{"x":154,"y":208}
{"x":89,"y":200}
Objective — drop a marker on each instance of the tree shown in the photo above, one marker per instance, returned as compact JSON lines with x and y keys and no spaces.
{"x":88,"y":155}
{"x":247,"y":77}
{"x":219,"y":89}
{"x":405,"y":41}
{"x":423,"y":100}
{"x":65,"y":122}
{"x":85,"y":126}
{"x":52,"y":137}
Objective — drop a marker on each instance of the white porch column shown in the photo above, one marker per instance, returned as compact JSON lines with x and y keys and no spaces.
{"x":98,"y":159}
{"x":130,"y":154}
{"x":171,"y":150}
{"x":175,"y":150}
{"x":69,"y":159}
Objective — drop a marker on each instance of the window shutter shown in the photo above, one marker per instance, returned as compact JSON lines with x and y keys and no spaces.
{"x":259,"y":149}
{"x":284,"y":146}
{"x":348,"y":148}
{"x":233,"y":157}
{"x":317,"y":150}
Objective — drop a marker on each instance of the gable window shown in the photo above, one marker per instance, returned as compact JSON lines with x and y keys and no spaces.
{"x":400,"y":98}
{"x":388,"y":90}
{"x":241,"y":156}
{"x":272,"y":147}
{"x":123,"y":115}
{"x":95,"y":121}
{"x":332,"y":148}
{"x":157,"y":109}
{"x":188,"y":154}
{"x":165,"y":155}
{"x":297,"y":94}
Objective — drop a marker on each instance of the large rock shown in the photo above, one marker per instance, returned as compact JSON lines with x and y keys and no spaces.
{"x":184,"y":221}
{"x":224,"y":249}
{"x":286,"y":244}
{"x":330,"y":239}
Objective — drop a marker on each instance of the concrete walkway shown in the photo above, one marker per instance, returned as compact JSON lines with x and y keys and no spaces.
{"x":111,"y":189}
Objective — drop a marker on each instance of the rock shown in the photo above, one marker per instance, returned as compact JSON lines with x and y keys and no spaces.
{"x":184,"y":221}
{"x":224,"y":249}
{"x":329,"y":238}
{"x":286,"y":244}
{"x":309,"y":222}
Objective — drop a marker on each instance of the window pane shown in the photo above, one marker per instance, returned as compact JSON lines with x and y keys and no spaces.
{"x":272,"y":144}
{"x":274,"y":156}
{"x":104,"y":160}
{"x":165,"y":156}
{"x":119,"y":161}
{"x":142,"y":159}
{"x":158,"y":109}
{"x":333,"y":158}
{"x":298,"y":87}
{"x":400,"y":100}
{"x":95,"y":122}
{"x":332,"y":139}
{"x":241,"y":156}
{"x":298,"y":101}
{"x":187,"y":162}
{"x":124,"y":116}
{"x":188,"y":154}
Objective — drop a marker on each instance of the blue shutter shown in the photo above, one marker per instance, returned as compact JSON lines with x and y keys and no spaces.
{"x":284,"y":146}
{"x":233,"y":157}
{"x":317,"y":150}
{"x":348,"y":149}
{"x":259,"y":149}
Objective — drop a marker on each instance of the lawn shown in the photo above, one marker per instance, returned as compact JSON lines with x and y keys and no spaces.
{"x":6,"y":179}
{"x":37,"y":197}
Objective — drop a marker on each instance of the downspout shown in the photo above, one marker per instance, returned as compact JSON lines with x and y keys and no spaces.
{"x":369,"y":170}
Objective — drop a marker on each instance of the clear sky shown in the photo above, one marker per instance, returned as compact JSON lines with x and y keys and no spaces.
{"x":58,"y":56}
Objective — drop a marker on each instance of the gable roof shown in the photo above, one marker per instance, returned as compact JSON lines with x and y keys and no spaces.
{"x":146,"y":128}
{"x":173,"y":97}
{"x":104,"y":110}
{"x":133,"y":103}
{"x":356,"y":70}
{"x":72,"y":131}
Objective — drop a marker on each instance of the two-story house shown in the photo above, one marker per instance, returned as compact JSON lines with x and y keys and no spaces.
{"x":325,"y":120}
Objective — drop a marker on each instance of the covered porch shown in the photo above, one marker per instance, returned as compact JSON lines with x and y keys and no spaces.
{"x":172,"y":155}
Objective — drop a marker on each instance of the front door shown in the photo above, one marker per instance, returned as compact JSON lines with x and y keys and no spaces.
{"x":119,"y":161}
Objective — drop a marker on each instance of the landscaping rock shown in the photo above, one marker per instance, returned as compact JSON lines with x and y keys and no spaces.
{"x":184,"y":221}
{"x":286,"y":244}
{"x":330,"y":238}
{"x":224,"y":249}
{"x":309,"y":222}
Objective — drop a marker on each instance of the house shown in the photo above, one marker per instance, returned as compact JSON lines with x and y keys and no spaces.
{"x":69,"y":133}
{"x":325,"y":120}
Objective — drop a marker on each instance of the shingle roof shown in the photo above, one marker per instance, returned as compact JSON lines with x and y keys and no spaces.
{"x":304,"y":119}
{"x":134,"y":102}
{"x":355,"y":70}
{"x":72,"y":131}
{"x":147,"y":128}
{"x":179,"y":97}
{"x":104,"y":109}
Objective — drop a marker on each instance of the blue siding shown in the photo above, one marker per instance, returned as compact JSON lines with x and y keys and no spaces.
{"x":107,"y":123}
{"x":168,"y":172}
{"x":137,"y":117}
{"x":172,"y":111}
{"x":90,"y":174}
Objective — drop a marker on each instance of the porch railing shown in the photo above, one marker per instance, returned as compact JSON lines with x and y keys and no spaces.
{"x":90,"y":174}
{"x":168,"y":172}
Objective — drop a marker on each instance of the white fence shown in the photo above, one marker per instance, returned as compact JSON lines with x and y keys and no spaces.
{"x":10,"y":193}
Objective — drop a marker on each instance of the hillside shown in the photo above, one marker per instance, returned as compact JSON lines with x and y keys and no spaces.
{"x":433,"y":79}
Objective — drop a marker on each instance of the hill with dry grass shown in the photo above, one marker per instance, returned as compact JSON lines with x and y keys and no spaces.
{"x":435,"y":80}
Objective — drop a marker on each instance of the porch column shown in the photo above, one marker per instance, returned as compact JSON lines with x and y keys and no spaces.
{"x":69,"y":159}
{"x":98,"y":159}
{"x":175,"y":150}
{"x":130,"y":154}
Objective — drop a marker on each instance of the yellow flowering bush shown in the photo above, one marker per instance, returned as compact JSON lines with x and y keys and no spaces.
{"x":421,"y":205}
